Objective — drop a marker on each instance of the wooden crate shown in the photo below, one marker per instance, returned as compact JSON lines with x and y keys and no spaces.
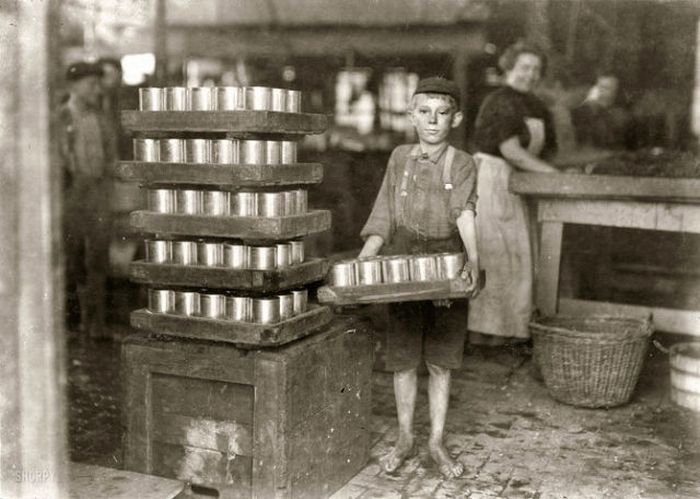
{"x":262,"y":281}
{"x":280,"y":423}
{"x":238,"y":175}
{"x":241,"y":334}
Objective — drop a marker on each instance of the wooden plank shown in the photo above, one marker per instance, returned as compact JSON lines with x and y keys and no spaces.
{"x":226,"y":436}
{"x":202,"y":466}
{"x":547,"y":287}
{"x":194,"y":397}
{"x":190,"y":359}
{"x":454,"y":289}
{"x":263,"y":281}
{"x":665,"y":319}
{"x":242,"y":334}
{"x":610,"y":187}
{"x":238,"y":175}
{"x":267,"y":122}
{"x":628,"y":214}
{"x":245,"y":228}
{"x":88,"y":481}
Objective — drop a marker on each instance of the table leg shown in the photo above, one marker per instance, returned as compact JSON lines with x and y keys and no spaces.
{"x":547,"y":279}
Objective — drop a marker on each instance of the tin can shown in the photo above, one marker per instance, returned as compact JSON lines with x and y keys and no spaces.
{"x":266,"y":310}
{"x":212,"y":306}
{"x":210,"y":254}
{"x":396,"y":269}
{"x":288,"y":151}
{"x":262,"y":257}
{"x":216,"y":203}
{"x":236,"y":256}
{"x":293,"y":101}
{"x":189,"y":202}
{"x":290,"y":202}
{"x":185,"y":252}
{"x":302,"y":201}
{"x":229,"y":98}
{"x":270,"y":204}
{"x":245,"y":204}
{"x":161,"y":301}
{"x":449,"y":265}
{"x":224,"y":151}
{"x":159,"y":250}
{"x":273,"y":152}
{"x":343,"y":274}
{"x":258,"y":98}
{"x":283,"y":255}
{"x":172,"y":150}
{"x":150,"y":99}
{"x":252,"y":152}
{"x":423,"y":268}
{"x":199,"y":99}
{"x":161,"y":200}
{"x":197,"y":151}
{"x":174,"y":99}
{"x":300,"y":297}
{"x":297,"y":252}
{"x":369,"y":271}
{"x":278,"y":99}
{"x":147,"y":150}
{"x":187,"y":303}
{"x":286,"y":301}
{"x":239,"y":308}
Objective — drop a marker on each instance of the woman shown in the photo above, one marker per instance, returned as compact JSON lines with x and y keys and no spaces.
{"x":513,"y":131}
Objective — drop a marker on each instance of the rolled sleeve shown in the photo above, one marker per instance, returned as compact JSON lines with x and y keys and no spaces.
{"x":463,"y":195}
{"x":382,"y":218}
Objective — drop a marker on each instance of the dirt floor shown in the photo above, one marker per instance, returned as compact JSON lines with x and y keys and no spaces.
{"x":513,"y":438}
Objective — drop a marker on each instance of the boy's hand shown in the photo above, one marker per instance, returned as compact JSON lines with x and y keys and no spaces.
{"x":470,"y":273}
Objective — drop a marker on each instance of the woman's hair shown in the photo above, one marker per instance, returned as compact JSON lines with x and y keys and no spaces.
{"x":510,"y":56}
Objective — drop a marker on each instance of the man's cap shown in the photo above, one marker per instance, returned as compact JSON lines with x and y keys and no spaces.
{"x":80,"y":70}
{"x":438,"y":85}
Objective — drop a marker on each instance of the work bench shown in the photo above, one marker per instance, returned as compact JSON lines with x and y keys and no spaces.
{"x":655,"y":204}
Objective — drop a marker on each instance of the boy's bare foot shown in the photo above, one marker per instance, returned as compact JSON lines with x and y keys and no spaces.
{"x":447,"y":466}
{"x":403,"y":450}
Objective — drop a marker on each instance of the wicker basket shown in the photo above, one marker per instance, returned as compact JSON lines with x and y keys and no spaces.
{"x":590,"y":361}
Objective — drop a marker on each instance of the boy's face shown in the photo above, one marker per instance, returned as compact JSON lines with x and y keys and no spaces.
{"x":433,"y":116}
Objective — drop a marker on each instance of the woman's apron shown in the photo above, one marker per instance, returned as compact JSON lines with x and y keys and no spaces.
{"x":504,"y":307}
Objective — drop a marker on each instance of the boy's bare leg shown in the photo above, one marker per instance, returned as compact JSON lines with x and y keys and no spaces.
{"x":405,"y":388}
{"x":439,"y":397}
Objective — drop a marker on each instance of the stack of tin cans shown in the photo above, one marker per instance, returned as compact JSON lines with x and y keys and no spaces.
{"x":219,"y":99}
{"x":215,"y":151}
{"x":229,"y":254}
{"x":224,"y":203}
{"x":397,"y":269}
{"x":225,"y":306}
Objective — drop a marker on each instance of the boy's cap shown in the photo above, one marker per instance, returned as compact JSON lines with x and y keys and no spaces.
{"x":438,"y":85}
{"x":80,"y":70}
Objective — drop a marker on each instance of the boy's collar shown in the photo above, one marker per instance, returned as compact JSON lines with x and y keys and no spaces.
{"x":417,"y":153}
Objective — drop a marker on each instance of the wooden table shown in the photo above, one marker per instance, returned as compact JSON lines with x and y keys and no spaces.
{"x":659,"y":204}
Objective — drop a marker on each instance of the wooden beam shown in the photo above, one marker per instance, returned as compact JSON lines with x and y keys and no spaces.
{"x":547,"y":288}
{"x":32,"y":413}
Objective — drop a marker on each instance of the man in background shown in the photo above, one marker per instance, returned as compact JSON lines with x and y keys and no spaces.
{"x":87,"y":151}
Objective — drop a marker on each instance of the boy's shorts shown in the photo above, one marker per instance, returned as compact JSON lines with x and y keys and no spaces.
{"x":421,"y":331}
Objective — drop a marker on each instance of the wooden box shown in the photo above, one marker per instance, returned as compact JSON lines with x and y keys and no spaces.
{"x":278,"y":423}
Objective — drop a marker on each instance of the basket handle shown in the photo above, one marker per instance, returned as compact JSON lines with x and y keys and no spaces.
{"x":661,"y":347}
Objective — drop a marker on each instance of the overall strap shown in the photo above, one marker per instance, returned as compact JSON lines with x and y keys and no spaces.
{"x":409,"y":166}
{"x":447,"y":168}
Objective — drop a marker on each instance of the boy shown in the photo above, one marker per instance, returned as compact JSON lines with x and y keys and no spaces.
{"x":426,"y":204}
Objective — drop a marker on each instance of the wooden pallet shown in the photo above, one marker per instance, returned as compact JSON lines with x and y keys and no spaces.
{"x":241,"y":334}
{"x":263,"y":281}
{"x":229,"y":122}
{"x":288,"y":422}
{"x":454,"y":289}
{"x":251,"y":229}
{"x":238,"y":175}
